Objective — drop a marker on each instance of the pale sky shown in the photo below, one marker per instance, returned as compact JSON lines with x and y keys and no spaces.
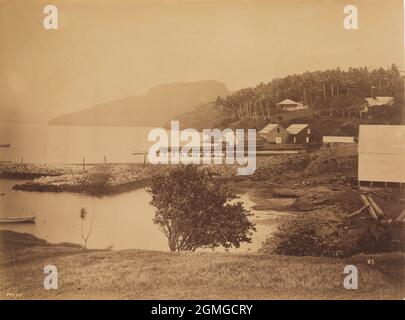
{"x":106,"y":50}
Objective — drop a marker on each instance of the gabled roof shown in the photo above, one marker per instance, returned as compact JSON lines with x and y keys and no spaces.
{"x":269,"y":128}
{"x":287,"y":101}
{"x":379,"y":101}
{"x":296,"y":128}
{"x":385,"y":139}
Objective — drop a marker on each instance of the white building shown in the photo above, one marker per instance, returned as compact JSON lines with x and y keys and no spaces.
{"x":378,"y":102}
{"x":337,"y":139}
{"x":291,"y":105}
{"x":382,"y":153}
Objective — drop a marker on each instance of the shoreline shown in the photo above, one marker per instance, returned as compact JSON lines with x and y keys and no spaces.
{"x":317,"y":188}
{"x":104,"y":179}
{"x":84,"y":189}
{"x":96,"y":180}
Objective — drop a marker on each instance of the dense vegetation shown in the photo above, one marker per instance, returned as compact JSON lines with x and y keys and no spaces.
{"x":335,"y":92}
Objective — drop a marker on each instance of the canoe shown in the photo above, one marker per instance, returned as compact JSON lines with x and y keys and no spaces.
{"x":16,"y":219}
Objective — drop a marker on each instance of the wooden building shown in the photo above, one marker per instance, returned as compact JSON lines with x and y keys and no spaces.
{"x":274,"y":133}
{"x":301,"y":134}
{"x":291,"y":105}
{"x":334,"y":140}
{"x":374,"y":103}
{"x":382,"y":154}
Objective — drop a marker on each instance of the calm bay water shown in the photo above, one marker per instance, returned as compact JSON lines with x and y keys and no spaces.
{"x":70,"y":144}
{"x":122,"y":221}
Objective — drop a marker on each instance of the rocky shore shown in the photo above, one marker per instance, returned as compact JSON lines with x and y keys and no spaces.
{"x":104,"y":179}
{"x":94,"y":179}
{"x":28,"y":171}
{"x":319,"y":189}
{"x":286,"y":170}
{"x":321,"y":193}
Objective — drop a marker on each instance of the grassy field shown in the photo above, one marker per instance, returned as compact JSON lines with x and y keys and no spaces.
{"x":137,"y":274}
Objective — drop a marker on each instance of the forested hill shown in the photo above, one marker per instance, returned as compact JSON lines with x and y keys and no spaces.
{"x":334,"y":98}
{"x":320,"y":90}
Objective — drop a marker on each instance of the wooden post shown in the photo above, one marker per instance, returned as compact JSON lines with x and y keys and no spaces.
{"x":105,"y":159}
{"x":369,"y":206}
{"x":358,"y":211}
{"x":375,"y":206}
{"x":84,"y":164}
{"x":401,"y":216}
{"x":22,"y":160}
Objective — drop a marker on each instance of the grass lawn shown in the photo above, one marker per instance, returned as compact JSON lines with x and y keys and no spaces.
{"x":137,"y":274}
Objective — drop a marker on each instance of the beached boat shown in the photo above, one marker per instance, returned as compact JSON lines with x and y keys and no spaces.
{"x":4,"y":145}
{"x":16,"y":219}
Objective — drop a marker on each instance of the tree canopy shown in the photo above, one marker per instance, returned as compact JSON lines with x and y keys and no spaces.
{"x":193,"y":211}
{"x":320,"y":90}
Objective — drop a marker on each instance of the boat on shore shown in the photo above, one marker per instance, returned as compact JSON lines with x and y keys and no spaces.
{"x":5,"y":145}
{"x":17,"y":219}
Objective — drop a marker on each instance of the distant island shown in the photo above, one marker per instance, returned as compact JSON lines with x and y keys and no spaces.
{"x":159,"y":105}
{"x":15,"y":116}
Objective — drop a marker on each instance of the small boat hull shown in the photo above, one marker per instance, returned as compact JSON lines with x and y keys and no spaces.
{"x":17,"y":219}
{"x":5,"y":145}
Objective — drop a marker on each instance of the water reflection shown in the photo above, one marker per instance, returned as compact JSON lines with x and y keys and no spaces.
{"x":121,"y":221}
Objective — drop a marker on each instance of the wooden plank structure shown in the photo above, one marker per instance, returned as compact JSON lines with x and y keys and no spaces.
{"x":373,"y":208}
{"x":376,"y":212}
{"x":358,"y":211}
{"x":370,"y":208}
{"x":377,"y":209}
{"x":337,"y":139}
{"x":382,"y":154}
{"x":401,"y":217}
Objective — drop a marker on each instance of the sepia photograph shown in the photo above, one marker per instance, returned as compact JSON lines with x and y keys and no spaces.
{"x":202,"y":150}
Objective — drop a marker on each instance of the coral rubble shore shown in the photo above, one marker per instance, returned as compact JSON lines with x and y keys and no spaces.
{"x":94,"y":179}
{"x":103,"y":179}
